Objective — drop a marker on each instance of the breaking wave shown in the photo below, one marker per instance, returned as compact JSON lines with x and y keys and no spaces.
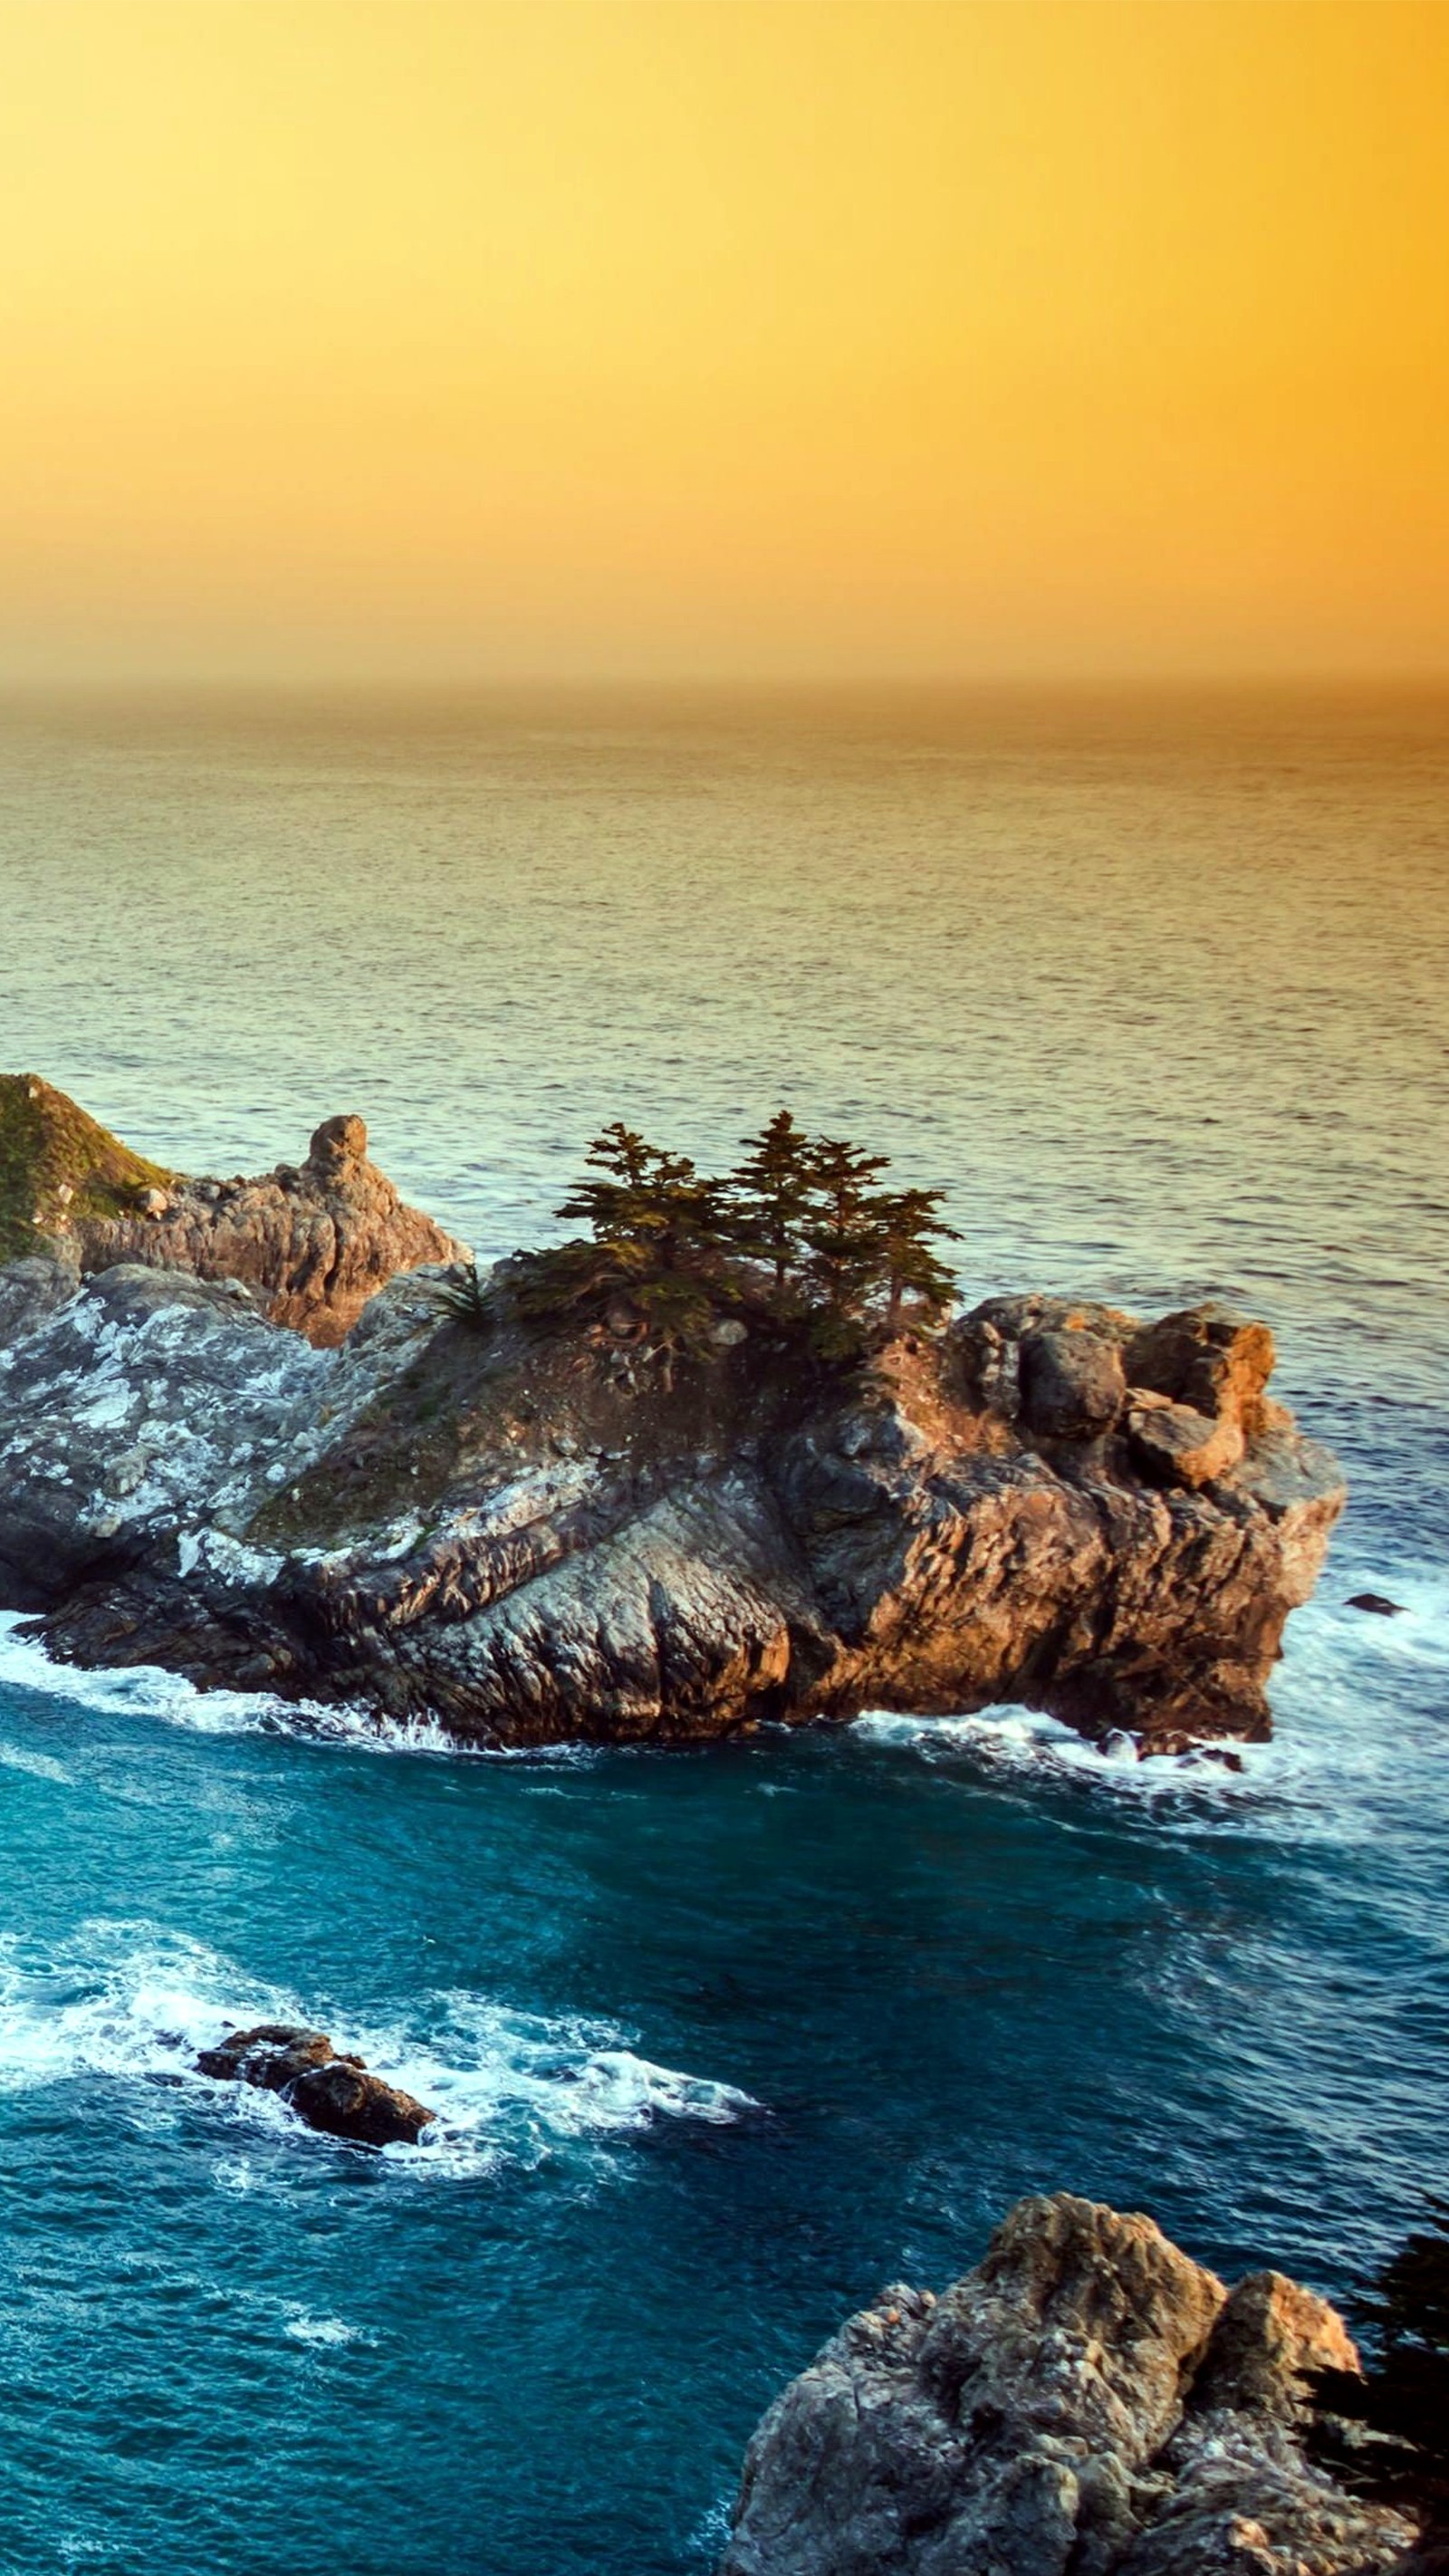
{"x":148,"y":1690}
{"x":131,"y":2004}
{"x":1322,"y":1764}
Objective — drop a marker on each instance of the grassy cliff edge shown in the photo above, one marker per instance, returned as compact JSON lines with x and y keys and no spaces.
{"x":56,"y":1164}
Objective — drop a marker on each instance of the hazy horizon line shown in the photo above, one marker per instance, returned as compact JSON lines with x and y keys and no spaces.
{"x":239,"y":683}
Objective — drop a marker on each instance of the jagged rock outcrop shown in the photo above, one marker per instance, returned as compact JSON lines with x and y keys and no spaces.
{"x":313,"y":1240}
{"x":525,"y":1533}
{"x":1087,"y":2402}
{"x":333,"y":2093}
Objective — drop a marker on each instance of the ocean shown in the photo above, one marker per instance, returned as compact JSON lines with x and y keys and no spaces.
{"x":1154,"y":988}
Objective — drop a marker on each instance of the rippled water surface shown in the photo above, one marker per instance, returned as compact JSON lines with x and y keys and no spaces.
{"x":718,"y":2042}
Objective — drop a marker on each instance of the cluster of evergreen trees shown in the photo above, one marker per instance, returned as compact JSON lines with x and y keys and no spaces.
{"x":802,"y":1226}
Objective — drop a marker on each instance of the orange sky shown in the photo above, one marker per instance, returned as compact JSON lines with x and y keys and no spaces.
{"x":750,"y":337}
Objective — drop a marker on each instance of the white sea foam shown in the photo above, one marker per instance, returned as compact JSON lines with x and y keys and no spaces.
{"x":327,"y":2331}
{"x":1015,"y":1739}
{"x":135,"y":2004}
{"x":1328,"y":1753}
{"x":1021,"y":1746}
{"x":147,"y":1690}
{"x":144,"y":1690}
{"x":22,"y":1757}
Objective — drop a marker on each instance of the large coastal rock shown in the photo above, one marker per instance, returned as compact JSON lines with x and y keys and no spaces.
{"x":315,"y":1240}
{"x":529,"y":1533}
{"x":1087,"y":2402}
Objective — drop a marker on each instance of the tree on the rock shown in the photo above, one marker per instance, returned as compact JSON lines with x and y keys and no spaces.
{"x":655,"y":1202}
{"x":674,"y":1246}
{"x":616,"y":1208}
{"x":844,"y":1230}
{"x":908,"y":1225}
{"x":769,"y":1196}
{"x":658,"y":1229}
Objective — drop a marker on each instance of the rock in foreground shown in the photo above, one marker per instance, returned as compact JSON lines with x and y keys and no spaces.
{"x":1087,"y":2402}
{"x":331,"y":2093}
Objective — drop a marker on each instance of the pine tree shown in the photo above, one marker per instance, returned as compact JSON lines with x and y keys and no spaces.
{"x":663,"y":1234}
{"x":769,"y":1196}
{"x":653,"y":1201}
{"x":617,"y":1209}
{"x":660,"y":1230}
{"x":908,"y":1222}
{"x":844,"y":1230}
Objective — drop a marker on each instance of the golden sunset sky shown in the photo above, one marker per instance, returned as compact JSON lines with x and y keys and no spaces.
{"x":411,"y":338}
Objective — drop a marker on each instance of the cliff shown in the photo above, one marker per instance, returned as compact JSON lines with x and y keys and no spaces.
{"x":1087,"y":2400}
{"x":529,"y":1533}
{"x":315,"y":1240}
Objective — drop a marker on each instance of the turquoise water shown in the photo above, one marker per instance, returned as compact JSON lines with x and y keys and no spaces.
{"x":720,"y":2042}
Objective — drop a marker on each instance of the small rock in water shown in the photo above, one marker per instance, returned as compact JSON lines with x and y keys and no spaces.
{"x":1376,"y":1601}
{"x":333,"y":2093}
{"x":1118,"y":1746}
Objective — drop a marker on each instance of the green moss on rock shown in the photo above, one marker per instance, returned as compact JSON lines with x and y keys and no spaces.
{"x":57,"y":1165}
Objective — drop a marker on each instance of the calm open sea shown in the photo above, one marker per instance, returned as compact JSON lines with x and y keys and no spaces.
{"x":1156,"y":989}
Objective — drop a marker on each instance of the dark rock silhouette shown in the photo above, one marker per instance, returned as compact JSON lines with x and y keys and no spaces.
{"x":331,"y":2093}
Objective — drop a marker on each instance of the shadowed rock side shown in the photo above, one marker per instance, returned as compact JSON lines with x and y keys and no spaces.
{"x":524,"y":1531}
{"x":1087,"y":2402}
{"x":313,"y":1240}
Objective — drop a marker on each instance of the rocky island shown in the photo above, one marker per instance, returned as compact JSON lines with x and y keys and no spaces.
{"x":278,"y":1434}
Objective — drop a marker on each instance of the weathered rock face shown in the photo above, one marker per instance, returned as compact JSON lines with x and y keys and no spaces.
{"x":331,"y":2093}
{"x":316,"y":1240}
{"x":1088,"y":2402}
{"x":514,"y":1532}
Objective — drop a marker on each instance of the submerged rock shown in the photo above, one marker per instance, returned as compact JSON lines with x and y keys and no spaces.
{"x":1087,"y":2402}
{"x":526,"y":1530}
{"x":333,"y":2093}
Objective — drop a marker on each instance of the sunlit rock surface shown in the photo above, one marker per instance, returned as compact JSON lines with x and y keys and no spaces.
{"x":314,"y":1239}
{"x":1087,"y":2402}
{"x":525,"y":1532}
